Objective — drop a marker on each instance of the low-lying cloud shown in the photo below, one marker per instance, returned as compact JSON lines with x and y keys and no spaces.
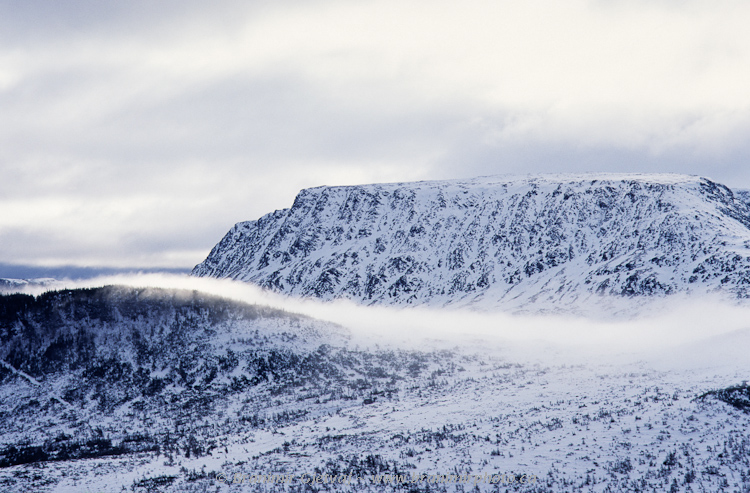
{"x":675,"y":332}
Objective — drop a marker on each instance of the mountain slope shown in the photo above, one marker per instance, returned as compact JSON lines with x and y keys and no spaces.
{"x":533,"y":242}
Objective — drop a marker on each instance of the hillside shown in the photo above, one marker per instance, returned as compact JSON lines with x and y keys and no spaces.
{"x":151,"y":390}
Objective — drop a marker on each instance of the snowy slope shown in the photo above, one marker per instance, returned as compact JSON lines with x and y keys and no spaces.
{"x":538,"y":243}
{"x":147,"y":390}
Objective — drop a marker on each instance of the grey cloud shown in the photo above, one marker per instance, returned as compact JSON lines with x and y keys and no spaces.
{"x":25,"y":23}
{"x":92,"y":117}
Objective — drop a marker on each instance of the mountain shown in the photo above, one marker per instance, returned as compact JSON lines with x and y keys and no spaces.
{"x":547,"y":242}
{"x":14,"y":285}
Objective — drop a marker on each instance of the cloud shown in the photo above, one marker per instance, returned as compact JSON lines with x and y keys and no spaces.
{"x":147,"y":128}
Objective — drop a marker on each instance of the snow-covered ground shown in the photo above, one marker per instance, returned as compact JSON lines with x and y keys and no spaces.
{"x":446,"y":405}
{"x":578,"y":427}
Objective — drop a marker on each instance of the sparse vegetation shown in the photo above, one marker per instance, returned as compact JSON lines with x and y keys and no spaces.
{"x":176,"y":382}
{"x":737,"y":396}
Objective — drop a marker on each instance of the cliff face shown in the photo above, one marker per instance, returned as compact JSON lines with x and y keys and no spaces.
{"x":548,"y":240}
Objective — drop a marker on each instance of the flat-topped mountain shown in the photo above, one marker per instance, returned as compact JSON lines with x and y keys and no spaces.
{"x":10,"y":284}
{"x":510,"y":242}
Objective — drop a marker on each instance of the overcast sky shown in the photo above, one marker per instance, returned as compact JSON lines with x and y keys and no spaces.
{"x":135,"y":134}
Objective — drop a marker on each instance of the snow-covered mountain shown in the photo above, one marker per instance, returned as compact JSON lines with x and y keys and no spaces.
{"x":13,"y":285}
{"x":530,"y":243}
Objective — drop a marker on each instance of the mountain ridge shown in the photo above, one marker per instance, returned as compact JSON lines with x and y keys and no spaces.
{"x":539,"y":242}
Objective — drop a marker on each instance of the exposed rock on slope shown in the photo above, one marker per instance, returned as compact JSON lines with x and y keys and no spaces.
{"x":539,"y":241}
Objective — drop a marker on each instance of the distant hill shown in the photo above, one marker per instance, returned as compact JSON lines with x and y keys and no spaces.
{"x":9,"y":285}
